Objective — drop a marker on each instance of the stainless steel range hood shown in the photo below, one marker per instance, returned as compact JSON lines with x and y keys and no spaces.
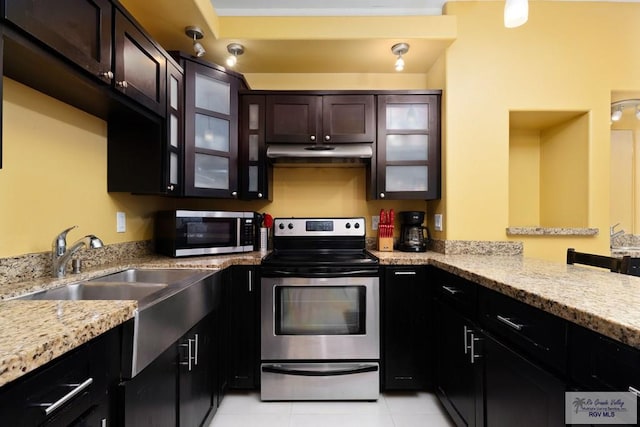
{"x":321,"y":155}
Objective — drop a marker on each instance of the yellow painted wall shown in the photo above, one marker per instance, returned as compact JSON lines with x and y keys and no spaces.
{"x":568,"y":56}
{"x":564,"y":174}
{"x":524,"y":178}
{"x":54,"y":176}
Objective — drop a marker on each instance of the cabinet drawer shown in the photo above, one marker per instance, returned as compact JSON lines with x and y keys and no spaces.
{"x":67,"y":389}
{"x":533,"y":331}
{"x":600,"y":363}
{"x":459,"y":293}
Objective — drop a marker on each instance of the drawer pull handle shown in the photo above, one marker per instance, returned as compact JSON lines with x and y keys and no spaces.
{"x":404,"y":273}
{"x":634,"y":391}
{"x":77,"y":389}
{"x":451,"y":290}
{"x":509,"y":322}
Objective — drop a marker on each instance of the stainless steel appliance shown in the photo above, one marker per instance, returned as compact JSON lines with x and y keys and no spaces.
{"x":192,"y":232}
{"x":320,"y":330}
{"x":412,"y":233}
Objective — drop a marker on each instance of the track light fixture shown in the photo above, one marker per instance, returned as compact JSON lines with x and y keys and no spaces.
{"x":618,"y":107}
{"x":235,"y":50}
{"x":400,"y":49}
{"x":196,"y":34}
{"x":516,"y":13}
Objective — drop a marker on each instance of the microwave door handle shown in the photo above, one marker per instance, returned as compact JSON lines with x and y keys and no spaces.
{"x":275,"y":369}
{"x":238,"y":232}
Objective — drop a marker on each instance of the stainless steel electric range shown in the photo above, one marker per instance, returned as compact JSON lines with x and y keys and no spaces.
{"x":320,"y":333}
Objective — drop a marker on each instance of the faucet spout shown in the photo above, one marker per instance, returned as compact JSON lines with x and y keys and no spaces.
{"x":61,"y":255}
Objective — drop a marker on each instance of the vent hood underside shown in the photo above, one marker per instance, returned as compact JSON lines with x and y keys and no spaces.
{"x":320,"y":155}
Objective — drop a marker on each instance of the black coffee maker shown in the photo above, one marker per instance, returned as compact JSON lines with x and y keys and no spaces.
{"x":412,"y":233}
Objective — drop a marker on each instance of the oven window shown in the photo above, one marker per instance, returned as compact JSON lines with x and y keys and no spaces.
{"x":320,"y":310}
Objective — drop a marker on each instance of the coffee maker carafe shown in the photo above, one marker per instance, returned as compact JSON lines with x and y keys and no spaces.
{"x":412,"y":233}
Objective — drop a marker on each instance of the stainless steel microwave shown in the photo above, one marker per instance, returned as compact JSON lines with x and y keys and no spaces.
{"x":189,"y":232}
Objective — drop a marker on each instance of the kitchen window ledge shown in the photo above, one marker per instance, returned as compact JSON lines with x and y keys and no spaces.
{"x":551,"y":231}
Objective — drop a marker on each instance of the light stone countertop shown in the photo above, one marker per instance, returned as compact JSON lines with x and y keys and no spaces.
{"x":608,"y":303}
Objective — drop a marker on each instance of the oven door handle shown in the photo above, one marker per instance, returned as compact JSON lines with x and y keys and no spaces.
{"x":278,"y":369}
{"x":324,"y":273}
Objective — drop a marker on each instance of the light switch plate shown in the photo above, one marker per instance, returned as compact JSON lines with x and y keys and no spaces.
{"x":121,"y":222}
{"x":438,"y":222}
{"x":375,"y":220}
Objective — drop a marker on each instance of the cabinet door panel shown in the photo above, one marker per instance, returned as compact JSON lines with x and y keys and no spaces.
{"x":408,"y":155}
{"x":518,"y":392}
{"x":407,"y":147}
{"x":140,"y":67}
{"x":78,"y":29}
{"x":406,"y":322}
{"x":348,"y":118}
{"x":293,"y":118}
{"x":212,"y":133}
{"x":211,"y":172}
{"x":408,"y":116}
{"x":212,"y":95}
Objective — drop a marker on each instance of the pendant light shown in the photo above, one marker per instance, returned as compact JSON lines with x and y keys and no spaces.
{"x":400,"y":49}
{"x":195,"y":33}
{"x":516,"y":13}
{"x":235,"y":50}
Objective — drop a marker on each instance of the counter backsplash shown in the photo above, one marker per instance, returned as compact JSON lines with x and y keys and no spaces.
{"x":33,"y":266}
{"x":466,"y":247}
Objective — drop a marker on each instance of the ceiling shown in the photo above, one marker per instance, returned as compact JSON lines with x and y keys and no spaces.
{"x":341,"y":50}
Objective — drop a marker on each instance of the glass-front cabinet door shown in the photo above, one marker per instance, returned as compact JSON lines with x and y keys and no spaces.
{"x":255,"y":171}
{"x":211,"y":132}
{"x":408,"y":156}
{"x":175,"y":108}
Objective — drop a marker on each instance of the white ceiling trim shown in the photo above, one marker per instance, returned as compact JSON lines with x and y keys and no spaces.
{"x":330,"y":11}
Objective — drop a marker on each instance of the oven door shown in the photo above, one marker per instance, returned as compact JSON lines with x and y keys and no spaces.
{"x":312,"y":318}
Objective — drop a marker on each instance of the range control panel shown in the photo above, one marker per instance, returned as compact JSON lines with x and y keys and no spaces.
{"x":309,"y":227}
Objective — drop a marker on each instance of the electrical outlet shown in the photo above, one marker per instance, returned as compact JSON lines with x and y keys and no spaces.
{"x":121,"y":222}
{"x":375,"y":220}
{"x":438,"y":222}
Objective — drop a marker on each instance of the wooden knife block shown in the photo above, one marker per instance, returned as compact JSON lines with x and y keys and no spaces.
{"x":385,"y":244}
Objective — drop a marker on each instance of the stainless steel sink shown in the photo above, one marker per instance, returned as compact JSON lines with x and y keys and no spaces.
{"x":99,"y":291}
{"x":137,"y":275}
{"x":170,"y":302}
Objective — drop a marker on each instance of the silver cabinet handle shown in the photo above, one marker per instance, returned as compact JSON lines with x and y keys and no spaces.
{"x":195,"y":339}
{"x":108,"y":75}
{"x":473,"y":356}
{"x":405,"y":273}
{"x":234,"y":193}
{"x":451,"y":290}
{"x":466,"y":334}
{"x":260,"y":196}
{"x":77,"y":389}
{"x":382,"y":195}
{"x":327,"y":137}
{"x":250,"y":281}
{"x":170,"y":187}
{"x":312,"y":137}
{"x":509,"y":322}
{"x":189,"y":354}
{"x":634,"y":391}
{"x":123,"y":84}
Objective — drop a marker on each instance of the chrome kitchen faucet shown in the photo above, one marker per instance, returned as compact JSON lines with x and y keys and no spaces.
{"x":60,"y":255}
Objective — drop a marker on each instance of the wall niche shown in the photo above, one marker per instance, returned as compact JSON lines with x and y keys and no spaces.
{"x":549,"y":173}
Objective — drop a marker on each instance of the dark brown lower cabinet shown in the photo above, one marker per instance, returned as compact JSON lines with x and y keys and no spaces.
{"x":406,"y":314}
{"x":518,"y":392}
{"x":458,"y":372}
{"x":180,"y":387}
{"x":76,"y":389}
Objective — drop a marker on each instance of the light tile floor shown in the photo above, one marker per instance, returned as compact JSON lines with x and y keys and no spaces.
{"x":390,"y":410}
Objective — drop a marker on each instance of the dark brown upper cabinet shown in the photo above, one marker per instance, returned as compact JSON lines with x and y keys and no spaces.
{"x":140,"y":66}
{"x":80,"y":30}
{"x":408,"y":149}
{"x":255,"y":172}
{"x":211,"y":130}
{"x":320,"y":119}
